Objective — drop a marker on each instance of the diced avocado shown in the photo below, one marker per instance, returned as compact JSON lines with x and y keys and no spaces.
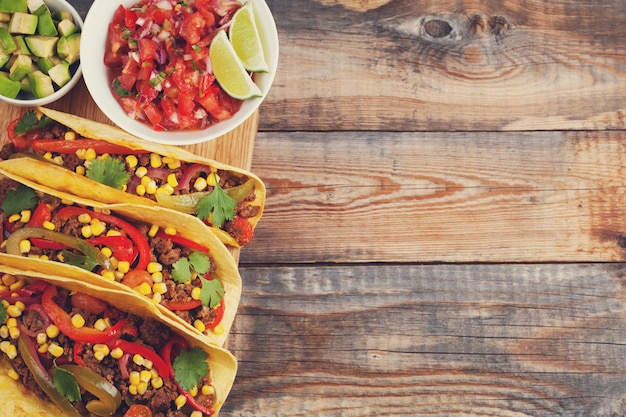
{"x":23,"y":23}
{"x":45,"y":25}
{"x":9,"y":88}
{"x":7,"y":44}
{"x":40,"y":83}
{"x":62,"y":15}
{"x":44,"y":64}
{"x":5,"y":17}
{"x":68,"y":48}
{"x":25,"y":85}
{"x":35,"y":5}
{"x":20,"y":67}
{"x":42,"y":46}
{"x":60,"y":73}
{"x":22,"y":48}
{"x":12,"y":6}
{"x":4,"y":58}
{"x":67,"y":27}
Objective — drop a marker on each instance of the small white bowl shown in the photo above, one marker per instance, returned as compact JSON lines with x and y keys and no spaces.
{"x":28,"y":99}
{"x":96,"y":77}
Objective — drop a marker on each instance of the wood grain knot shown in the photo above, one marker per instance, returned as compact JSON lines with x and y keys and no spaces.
{"x":498,"y":25}
{"x":437,"y":28}
{"x":621,"y":241}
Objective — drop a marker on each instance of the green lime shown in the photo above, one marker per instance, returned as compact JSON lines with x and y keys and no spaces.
{"x":244,"y":36}
{"x":229,"y":71}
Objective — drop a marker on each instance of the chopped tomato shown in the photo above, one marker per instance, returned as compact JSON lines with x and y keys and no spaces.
{"x":153,"y":114}
{"x":138,"y":410}
{"x":186,"y":103}
{"x":193,"y":27}
{"x":147,"y":49}
{"x":127,"y":81}
{"x":130,"y":18}
{"x":136,"y":277}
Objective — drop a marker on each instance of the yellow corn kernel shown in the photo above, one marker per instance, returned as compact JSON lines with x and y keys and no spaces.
{"x":25,"y":216}
{"x":17,"y":285}
{"x":140,"y":190}
{"x":58,"y":160}
{"x":173,"y":164}
{"x":219,"y":329}
{"x":52,"y":331}
{"x":142,"y":387}
{"x":14,"y":332}
{"x":200,"y":184}
{"x":14,"y":311}
{"x":12,"y":352}
{"x":84,"y":218}
{"x":172,"y":180}
{"x":153,"y":230}
{"x":123,"y":266}
{"x":154,"y":267}
{"x":108,"y":275}
{"x":147,"y":363}
{"x":8,"y":279}
{"x":141,"y":171}
{"x":208,"y":390}
{"x":155,"y":160}
{"x":156,"y":382}
{"x":212,"y":179}
{"x":97,"y":227}
{"x":151,"y":187}
{"x":44,"y":257}
{"x":117,"y":353}
{"x":132,"y":161}
{"x":165,"y":189}
{"x":193,"y":390}
{"x":55,"y":350}
{"x":112,"y":232}
{"x":134,"y":378}
{"x":4,"y":346}
{"x":43,"y":348}
{"x":101,"y":347}
{"x":99,"y":356}
{"x":145,"y":179}
{"x":102,"y":324}
{"x":13,"y":374}
{"x":157,"y":276}
{"x":11,"y":322}
{"x":138,"y":359}
{"x":157,"y":298}
{"x":145,"y":376}
{"x":20,"y":305}
{"x":78,"y":321}
{"x":41,"y":338}
{"x":106,"y":251}
{"x":90,"y":154}
{"x":14,"y":218}
{"x":132,"y":389}
{"x":159,"y":288}
{"x":80,"y":170}
{"x":86,"y":231}
{"x":70,"y":135}
{"x":24,"y":246}
{"x":199,"y":325}
{"x":144,"y":289}
{"x":4,"y":332}
{"x":48,"y":225}
{"x":180,"y":401}
{"x":195,"y":413}
{"x":195,"y":293}
{"x":47,"y":155}
{"x":80,"y":153}
{"x":170,"y":231}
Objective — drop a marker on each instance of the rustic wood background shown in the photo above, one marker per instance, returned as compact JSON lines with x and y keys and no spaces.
{"x":445,"y":225}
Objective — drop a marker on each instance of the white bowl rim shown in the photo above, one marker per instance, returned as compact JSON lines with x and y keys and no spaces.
{"x":94,"y":73}
{"x":54,"y":5}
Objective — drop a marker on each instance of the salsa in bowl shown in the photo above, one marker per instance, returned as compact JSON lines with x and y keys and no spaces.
{"x":160,"y":69}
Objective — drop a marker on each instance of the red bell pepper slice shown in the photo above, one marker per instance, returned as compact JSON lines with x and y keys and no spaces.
{"x":64,"y":322}
{"x":182,"y":305}
{"x":47,"y":244}
{"x":183,"y":241}
{"x":40,"y":215}
{"x":135,"y":348}
{"x":71,"y":146}
{"x":77,"y":353}
{"x":135,"y":235}
{"x":121,"y":246}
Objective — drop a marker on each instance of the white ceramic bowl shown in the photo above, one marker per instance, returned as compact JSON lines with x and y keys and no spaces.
{"x":28,"y":99}
{"x":96,"y":78}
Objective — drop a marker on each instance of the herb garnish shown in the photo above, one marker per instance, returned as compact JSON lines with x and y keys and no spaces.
{"x":197,"y":262}
{"x":108,"y":171}
{"x":212,"y":292}
{"x":30,"y":122}
{"x":88,"y":260}
{"x":22,"y":198}
{"x":3,"y":314}
{"x":65,"y":382}
{"x":119,"y":90}
{"x":217,"y":206}
{"x":190,"y":366}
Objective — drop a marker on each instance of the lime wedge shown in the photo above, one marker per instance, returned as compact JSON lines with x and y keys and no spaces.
{"x":229,"y":71}
{"x":244,"y":36}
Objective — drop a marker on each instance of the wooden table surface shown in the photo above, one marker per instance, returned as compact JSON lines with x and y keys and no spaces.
{"x":445,"y":227}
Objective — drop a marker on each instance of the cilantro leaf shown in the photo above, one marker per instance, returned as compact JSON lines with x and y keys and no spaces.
{"x":108,"y":171}
{"x":212,"y":292}
{"x":30,"y":122}
{"x":88,"y":260}
{"x":121,"y":91}
{"x":217,"y":206}
{"x":200,"y":262}
{"x":22,"y":198}
{"x":3,"y":314}
{"x":190,"y":366}
{"x":182,"y":270}
{"x":65,"y":382}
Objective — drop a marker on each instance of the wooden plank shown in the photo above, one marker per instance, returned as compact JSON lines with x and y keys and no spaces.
{"x":448,"y":65}
{"x":430,"y":340}
{"x":453,"y":197}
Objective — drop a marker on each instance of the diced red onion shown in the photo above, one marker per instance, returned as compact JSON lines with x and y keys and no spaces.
{"x":165,"y":5}
{"x":46,"y":320}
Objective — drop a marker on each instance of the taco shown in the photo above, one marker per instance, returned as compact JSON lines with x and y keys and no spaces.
{"x":69,"y":348}
{"x":160,"y":254}
{"x":106,"y":164}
